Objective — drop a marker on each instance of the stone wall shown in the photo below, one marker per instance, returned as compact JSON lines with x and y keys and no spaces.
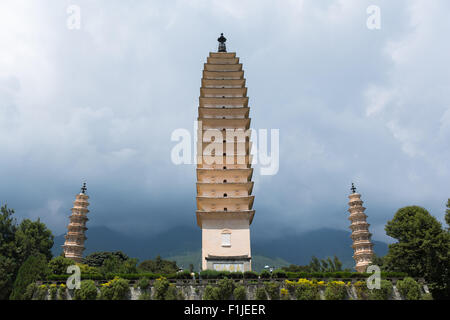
{"x":194,"y":290}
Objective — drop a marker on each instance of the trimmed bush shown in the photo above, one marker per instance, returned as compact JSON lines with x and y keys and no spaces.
{"x":279,"y":274}
{"x":260,"y":294}
{"x":53,"y":292}
{"x":87,"y":291}
{"x":116,"y":289}
{"x":59,"y":265}
{"x":41,"y":293}
{"x":427,"y":296}
{"x":362,"y":292}
{"x":30,"y":291}
{"x":210,"y":293}
{"x":384,"y":293}
{"x":284,"y":294}
{"x":306,"y":290}
{"x":409,"y":289}
{"x":164,"y":290}
{"x":250,"y":275}
{"x":225,"y":289}
{"x":145,"y":296}
{"x":265,"y":274}
{"x":335,"y":290}
{"x":240,"y":293}
{"x":62,"y":292}
{"x":273,"y":290}
{"x":143,"y":284}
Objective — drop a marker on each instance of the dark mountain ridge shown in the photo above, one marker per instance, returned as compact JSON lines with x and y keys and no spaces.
{"x":294,"y":248}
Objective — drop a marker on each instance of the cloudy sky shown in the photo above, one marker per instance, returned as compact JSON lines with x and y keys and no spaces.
{"x":100,"y":103}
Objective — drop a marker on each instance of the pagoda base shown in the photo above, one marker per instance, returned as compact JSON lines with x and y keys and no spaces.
{"x":229,"y":263}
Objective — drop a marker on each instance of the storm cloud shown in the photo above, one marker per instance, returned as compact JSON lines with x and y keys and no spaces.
{"x":100,"y":103}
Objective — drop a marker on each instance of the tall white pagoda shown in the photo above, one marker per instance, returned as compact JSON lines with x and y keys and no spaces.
{"x":224,"y":173}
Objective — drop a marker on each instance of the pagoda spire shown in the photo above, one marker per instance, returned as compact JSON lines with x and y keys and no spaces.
{"x":222,"y":46}
{"x":362,"y":244}
{"x":74,"y":245}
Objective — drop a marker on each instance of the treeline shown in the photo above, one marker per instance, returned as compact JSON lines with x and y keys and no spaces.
{"x":422,"y":250}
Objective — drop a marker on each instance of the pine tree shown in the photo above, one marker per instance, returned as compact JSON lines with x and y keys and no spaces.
{"x":447,"y":215}
{"x":33,"y":269}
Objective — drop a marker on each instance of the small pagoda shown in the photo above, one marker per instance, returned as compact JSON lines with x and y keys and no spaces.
{"x":74,"y":245}
{"x":362,"y":244}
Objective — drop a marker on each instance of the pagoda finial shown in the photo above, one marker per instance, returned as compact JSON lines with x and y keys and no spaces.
{"x":83,"y":188}
{"x":222,"y":40}
{"x":353,"y":188}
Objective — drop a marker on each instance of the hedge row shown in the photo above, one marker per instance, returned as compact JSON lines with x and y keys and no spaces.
{"x":212,"y":274}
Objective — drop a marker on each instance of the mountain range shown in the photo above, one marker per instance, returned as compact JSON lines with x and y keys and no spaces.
{"x":183,"y":244}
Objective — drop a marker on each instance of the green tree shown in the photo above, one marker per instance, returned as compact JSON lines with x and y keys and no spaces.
{"x":17,"y":243}
{"x":114,"y":264}
{"x":315,"y":264}
{"x":337,"y":264}
{"x":158,"y":266}
{"x":8,"y":263}
{"x":422,"y":250}
{"x":33,"y":237}
{"x":59,"y":265}
{"x":447,"y":215}
{"x":33,"y":269}
{"x":295,"y":268}
{"x":378,"y":261}
{"x":87,"y":291}
{"x":97,"y":259}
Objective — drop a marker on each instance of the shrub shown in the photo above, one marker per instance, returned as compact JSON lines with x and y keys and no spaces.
{"x":53,"y":291}
{"x":86,"y":269}
{"x":335,"y":290}
{"x":236,"y":275}
{"x":384,"y":293}
{"x":427,"y":296}
{"x":273,"y":290}
{"x":166,"y":291}
{"x":143,"y":284}
{"x":225,"y":289}
{"x":33,"y":269}
{"x":30,"y":291}
{"x":306,"y":290}
{"x":210,"y":293}
{"x":260,"y":294}
{"x":362,"y":292}
{"x":265,"y":274}
{"x":284,"y":294}
{"x":409,"y":289}
{"x":145,"y":296}
{"x":59,"y":265}
{"x":87,"y":291}
{"x":174,"y":294}
{"x":250,"y":275}
{"x":183,"y":275}
{"x":62,"y":292}
{"x":240,"y":293}
{"x":279,"y":274}
{"x":41,"y":292}
{"x":213,"y":274}
{"x":116,"y":289}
